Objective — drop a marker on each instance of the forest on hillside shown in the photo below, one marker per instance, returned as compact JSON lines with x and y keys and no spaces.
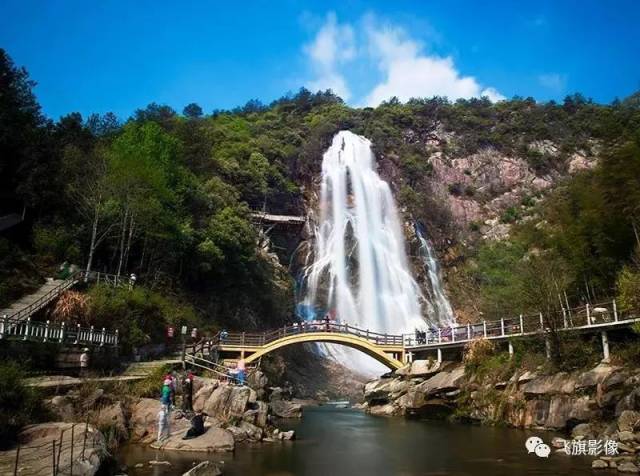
{"x":167,"y":195}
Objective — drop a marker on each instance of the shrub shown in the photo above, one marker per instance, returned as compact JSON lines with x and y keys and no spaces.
{"x":510,"y":215}
{"x":71,"y":306}
{"x":628,"y":286}
{"x":139,"y":314}
{"x":150,"y":386}
{"x":477,"y":351}
{"x":575,"y":353}
{"x":528,"y":201}
{"x":627,"y":354}
{"x":19,"y":405}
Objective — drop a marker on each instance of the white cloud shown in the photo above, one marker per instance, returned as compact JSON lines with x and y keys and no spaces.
{"x":492,"y":94}
{"x":554,"y":81}
{"x":332,"y":46}
{"x":409,"y":73}
{"x":406,"y":71}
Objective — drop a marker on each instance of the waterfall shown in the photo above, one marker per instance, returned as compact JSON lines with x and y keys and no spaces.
{"x":440,"y":310}
{"x":360,"y":272}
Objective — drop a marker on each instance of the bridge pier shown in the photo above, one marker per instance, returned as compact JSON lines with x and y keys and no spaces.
{"x":408,"y":357}
{"x":510,"y":349}
{"x":439,"y":350}
{"x":547,"y":346}
{"x":605,"y":346}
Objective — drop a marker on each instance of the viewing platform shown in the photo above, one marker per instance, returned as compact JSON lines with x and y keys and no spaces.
{"x":267,"y":218}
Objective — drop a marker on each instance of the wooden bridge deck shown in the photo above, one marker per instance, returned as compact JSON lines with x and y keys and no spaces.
{"x":264,"y":217}
{"x":386,"y":348}
{"x":590,"y":318}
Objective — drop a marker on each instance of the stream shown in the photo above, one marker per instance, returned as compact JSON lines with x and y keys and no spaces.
{"x":341,"y":442}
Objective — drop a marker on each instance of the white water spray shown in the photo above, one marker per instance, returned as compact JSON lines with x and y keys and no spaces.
{"x":440,"y":308}
{"x":360,"y":271}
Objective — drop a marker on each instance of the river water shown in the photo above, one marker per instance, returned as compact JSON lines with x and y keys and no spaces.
{"x":345,"y":442}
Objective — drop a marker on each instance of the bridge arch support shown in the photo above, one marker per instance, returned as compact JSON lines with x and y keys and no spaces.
{"x":385,"y":354}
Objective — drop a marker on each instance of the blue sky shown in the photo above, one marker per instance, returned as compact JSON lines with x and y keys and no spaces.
{"x":118,"y":56}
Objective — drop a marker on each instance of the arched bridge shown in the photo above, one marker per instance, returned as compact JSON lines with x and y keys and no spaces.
{"x":387,"y":349}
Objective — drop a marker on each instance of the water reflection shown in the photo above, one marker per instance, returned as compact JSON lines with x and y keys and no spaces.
{"x":345,"y":442}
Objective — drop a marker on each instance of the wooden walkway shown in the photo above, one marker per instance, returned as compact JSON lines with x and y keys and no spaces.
{"x":263,"y":217}
{"x":598,"y":318}
{"x":394,"y":349}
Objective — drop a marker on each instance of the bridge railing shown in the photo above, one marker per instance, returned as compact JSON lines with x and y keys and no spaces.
{"x":111,"y":279}
{"x":581,"y":317}
{"x":47,"y":331}
{"x":45,"y":299}
{"x":260,"y":339}
{"x":115,"y":280}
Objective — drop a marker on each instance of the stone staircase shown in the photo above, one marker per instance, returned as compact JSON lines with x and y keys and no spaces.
{"x":35,"y":301}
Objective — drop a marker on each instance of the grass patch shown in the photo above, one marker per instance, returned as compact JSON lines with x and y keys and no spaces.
{"x":151,"y":385}
{"x":19,"y":405}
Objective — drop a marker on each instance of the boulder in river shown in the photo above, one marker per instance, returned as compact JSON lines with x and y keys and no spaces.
{"x":143,"y":423}
{"x":202,"y":394}
{"x":213,"y":440}
{"x":246,"y":432}
{"x":629,"y":420}
{"x":228,"y":401}
{"x":286,"y":409}
{"x":206,"y":468}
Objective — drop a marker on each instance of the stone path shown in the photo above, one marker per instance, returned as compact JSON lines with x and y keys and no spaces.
{"x":135,"y":371}
{"x":147,"y":368}
{"x":30,"y":299}
{"x":55,"y":381}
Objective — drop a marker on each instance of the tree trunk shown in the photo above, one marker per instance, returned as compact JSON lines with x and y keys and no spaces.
{"x":122,"y":237}
{"x":144,"y":250}
{"x":92,"y":245}
{"x":126,"y":252}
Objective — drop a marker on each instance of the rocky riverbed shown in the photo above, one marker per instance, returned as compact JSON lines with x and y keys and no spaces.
{"x":236,"y":415}
{"x":602,"y":403}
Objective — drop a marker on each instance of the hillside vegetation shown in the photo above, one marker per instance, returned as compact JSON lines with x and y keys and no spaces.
{"x":522,"y":199}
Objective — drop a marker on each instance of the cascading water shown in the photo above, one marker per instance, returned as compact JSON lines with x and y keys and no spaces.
{"x":440,"y":309}
{"x":360,"y":272}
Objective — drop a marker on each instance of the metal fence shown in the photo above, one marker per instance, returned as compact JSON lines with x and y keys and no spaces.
{"x":56,"y":332}
{"x":45,"y":299}
{"x":60,"y":452}
{"x":260,"y":339}
{"x":582,"y":317}
{"x":93,"y":276}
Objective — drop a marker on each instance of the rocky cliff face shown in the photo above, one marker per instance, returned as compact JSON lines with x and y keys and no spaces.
{"x":600,"y":403}
{"x":557,"y":401}
{"x":469,"y":198}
